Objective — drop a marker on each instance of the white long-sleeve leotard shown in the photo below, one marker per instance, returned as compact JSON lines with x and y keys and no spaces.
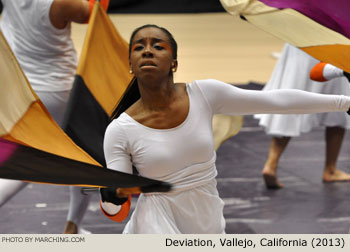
{"x":185,"y":155}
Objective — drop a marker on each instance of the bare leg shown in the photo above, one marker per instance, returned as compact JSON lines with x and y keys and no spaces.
{"x":334,"y":139}
{"x":71,"y":228}
{"x":277,"y":146}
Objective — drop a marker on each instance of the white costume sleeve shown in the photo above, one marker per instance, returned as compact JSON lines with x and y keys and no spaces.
{"x":116,"y":150}
{"x":227,"y":99}
{"x":117,"y":157}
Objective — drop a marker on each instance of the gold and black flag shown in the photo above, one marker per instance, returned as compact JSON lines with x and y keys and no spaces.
{"x":34,"y":148}
{"x":101,"y":80}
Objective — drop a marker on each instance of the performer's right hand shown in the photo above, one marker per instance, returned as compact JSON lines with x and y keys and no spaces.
{"x":109,"y":194}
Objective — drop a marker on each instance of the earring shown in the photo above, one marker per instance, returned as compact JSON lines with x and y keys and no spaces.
{"x":130,"y":71}
{"x":173,"y":69}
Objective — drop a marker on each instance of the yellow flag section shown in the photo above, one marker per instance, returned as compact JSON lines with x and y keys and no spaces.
{"x":225,"y":127}
{"x":104,"y":63}
{"x":301,"y":25}
{"x":24,"y":119}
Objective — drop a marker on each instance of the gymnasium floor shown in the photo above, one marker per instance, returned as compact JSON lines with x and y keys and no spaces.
{"x":225,"y":48}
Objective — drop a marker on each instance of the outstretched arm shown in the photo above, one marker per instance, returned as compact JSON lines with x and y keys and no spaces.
{"x":227,"y":99}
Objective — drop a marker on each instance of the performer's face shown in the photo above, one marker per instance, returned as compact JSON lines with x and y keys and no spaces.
{"x":151,"y":53}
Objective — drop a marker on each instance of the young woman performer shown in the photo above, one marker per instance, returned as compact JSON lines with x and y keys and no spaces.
{"x":167,"y":135}
{"x":292,"y":71}
{"x":38,"y":32}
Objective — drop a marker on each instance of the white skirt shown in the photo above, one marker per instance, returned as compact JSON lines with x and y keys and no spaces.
{"x":292,"y":72}
{"x":195,"y":211}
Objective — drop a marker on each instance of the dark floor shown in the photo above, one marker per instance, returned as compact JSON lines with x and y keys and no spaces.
{"x":305,"y":205}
